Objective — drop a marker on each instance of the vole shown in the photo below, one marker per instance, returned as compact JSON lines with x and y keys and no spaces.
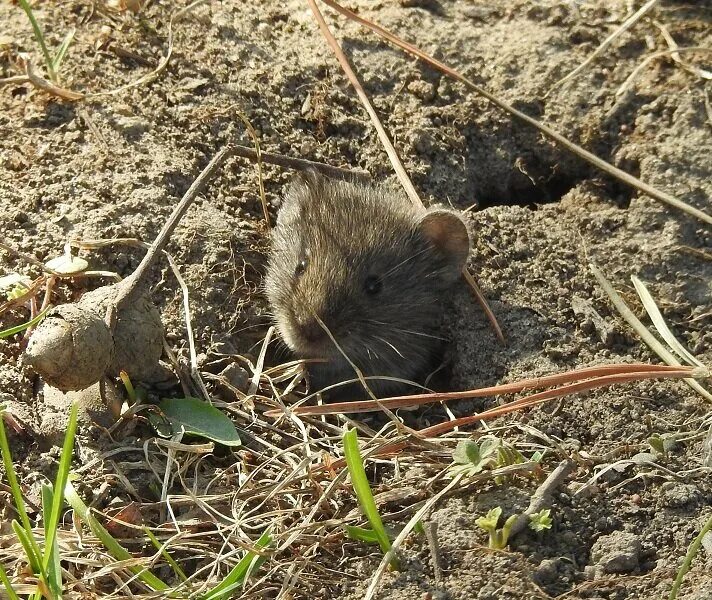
{"x":372,"y":267}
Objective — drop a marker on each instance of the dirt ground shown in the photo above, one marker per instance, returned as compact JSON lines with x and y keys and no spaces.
{"x":114,"y":165}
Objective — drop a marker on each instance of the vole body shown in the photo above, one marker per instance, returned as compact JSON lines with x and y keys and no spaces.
{"x":373,"y":268}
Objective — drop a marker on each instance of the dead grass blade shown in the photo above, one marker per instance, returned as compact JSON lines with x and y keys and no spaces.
{"x":642,"y":330}
{"x":633,"y":372}
{"x":635,"y":72}
{"x":625,"y":26}
{"x":589,"y":157}
{"x":672,"y":44}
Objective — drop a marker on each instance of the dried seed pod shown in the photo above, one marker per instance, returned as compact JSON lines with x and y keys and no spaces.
{"x":71,"y":348}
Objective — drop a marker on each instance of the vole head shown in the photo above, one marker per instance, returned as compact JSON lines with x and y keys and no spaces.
{"x":368,"y":265}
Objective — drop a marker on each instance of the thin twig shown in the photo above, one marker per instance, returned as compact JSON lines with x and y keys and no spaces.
{"x":385,"y":140}
{"x":542,"y":498}
{"x":30,"y":259}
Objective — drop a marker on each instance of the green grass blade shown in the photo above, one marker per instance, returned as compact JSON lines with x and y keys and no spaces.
{"x":114,"y":548}
{"x":62,"y":51}
{"x":236,"y":577}
{"x":362,"y":534}
{"x":29,"y":545}
{"x":18,"y":328}
{"x":7,"y":586}
{"x":54,"y":569}
{"x":65,"y":462}
{"x":689,"y":557}
{"x":359,"y":481}
{"x":17,"y":495}
{"x":169,"y":559}
{"x":39,"y":36}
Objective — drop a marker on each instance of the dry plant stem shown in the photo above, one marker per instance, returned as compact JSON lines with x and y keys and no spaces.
{"x":49,"y":87}
{"x":542,"y":498}
{"x":133,"y":283}
{"x":508,"y":388}
{"x":544,"y":129}
{"x":164,"y":61}
{"x":431,"y":535}
{"x":385,"y":140}
{"x":258,"y":162}
{"x":300,"y":164}
{"x":645,"y":334}
{"x":629,"y":80}
{"x":391,"y":151}
{"x":29,"y":259}
{"x":672,"y":44}
{"x":625,"y":26}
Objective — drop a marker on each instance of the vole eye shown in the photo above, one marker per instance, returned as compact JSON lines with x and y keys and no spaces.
{"x":301,"y":267}
{"x":372,"y":285}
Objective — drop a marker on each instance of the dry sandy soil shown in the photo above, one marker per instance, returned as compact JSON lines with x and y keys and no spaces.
{"x":113,"y":166}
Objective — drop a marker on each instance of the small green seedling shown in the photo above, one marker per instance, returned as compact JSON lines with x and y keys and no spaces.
{"x":540,"y":521}
{"x":498,"y":538}
{"x":491,"y":453}
{"x":662,"y":444}
{"x":359,"y":481}
{"x":52,"y":61}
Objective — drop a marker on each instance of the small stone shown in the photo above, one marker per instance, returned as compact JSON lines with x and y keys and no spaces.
{"x":618,"y":552}
{"x":547,"y":571}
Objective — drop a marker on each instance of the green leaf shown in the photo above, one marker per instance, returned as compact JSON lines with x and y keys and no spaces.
{"x":362,"y":534}
{"x":359,"y":481}
{"x":489,"y":521}
{"x":169,"y":559}
{"x":541,"y":520}
{"x":39,"y":36}
{"x":31,"y":548}
{"x":65,"y":462}
{"x":237,"y":576}
{"x":196,"y":417}
{"x":467,"y":452}
{"x":29,"y":545}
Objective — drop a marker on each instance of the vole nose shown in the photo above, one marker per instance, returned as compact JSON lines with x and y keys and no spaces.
{"x":311,"y":329}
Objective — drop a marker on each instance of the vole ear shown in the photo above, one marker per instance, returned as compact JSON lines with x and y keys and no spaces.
{"x":446,"y":230}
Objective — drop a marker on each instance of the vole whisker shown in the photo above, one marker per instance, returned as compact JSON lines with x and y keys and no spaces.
{"x":401,"y":263}
{"x":391,"y":345}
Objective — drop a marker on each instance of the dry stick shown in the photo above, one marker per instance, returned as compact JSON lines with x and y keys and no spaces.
{"x":300,"y":164}
{"x":134,"y":282}
{"x":391,"y":151}
{"x":507,"y":388}
{"x":542,"y":498}
{"x":385,"y":140}
{"x":544,"y":129}
{"x":258,"y":162}
{"x":30,"y":259}
{"x":431,"y":535}
{"x":627,"y":24}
